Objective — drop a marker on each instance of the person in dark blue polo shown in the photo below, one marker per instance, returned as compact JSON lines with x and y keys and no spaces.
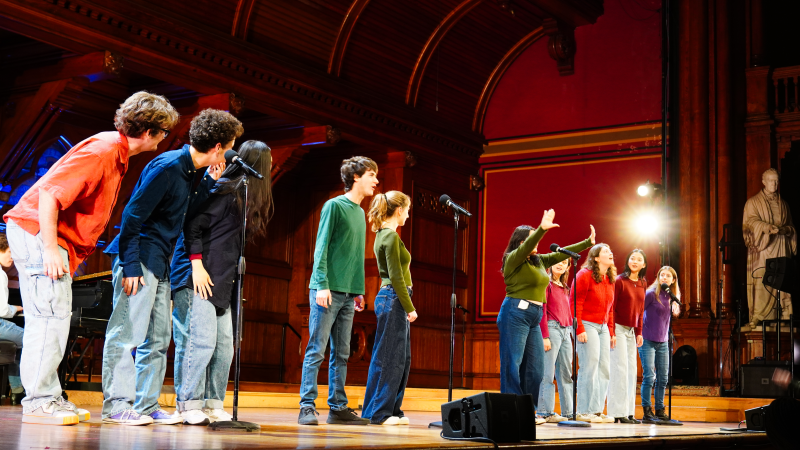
{"x":151,"y":223}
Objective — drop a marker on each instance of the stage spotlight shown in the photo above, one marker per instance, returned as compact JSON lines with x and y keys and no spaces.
{"x":647,"y":223}
{"x":644,"y":190}
{"x":650,"y":190}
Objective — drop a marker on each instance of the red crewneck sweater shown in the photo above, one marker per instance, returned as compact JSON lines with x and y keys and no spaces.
{"x":595,"y":301}
{"x":629,"y":302}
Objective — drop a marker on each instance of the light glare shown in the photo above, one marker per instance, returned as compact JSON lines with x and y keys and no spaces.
{"x":647,"y":223}
{"x":644,"y":190}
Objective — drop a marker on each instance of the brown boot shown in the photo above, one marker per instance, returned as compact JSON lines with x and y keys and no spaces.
{"x":648,"y":416}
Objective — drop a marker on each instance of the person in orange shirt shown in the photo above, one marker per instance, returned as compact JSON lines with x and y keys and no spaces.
{"x":55,"y":227}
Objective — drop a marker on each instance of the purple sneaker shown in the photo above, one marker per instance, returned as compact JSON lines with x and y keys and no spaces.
{"x":128,"y":417}
{"x":161,"y":417}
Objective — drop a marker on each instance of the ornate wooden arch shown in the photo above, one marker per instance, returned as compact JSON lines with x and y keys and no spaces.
{"x":241,"y":20}
{"x":343,"y":38}
{"x":430,"y":47}
{"x":497,"y":74}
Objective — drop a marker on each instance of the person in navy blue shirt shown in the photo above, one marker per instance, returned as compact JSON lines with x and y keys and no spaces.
{"x":151,"y":223}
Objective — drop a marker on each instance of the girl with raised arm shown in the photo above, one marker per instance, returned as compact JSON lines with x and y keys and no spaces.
{"x":526,"y":279}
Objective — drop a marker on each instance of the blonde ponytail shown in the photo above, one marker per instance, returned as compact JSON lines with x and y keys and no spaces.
{"x":383,"y":207}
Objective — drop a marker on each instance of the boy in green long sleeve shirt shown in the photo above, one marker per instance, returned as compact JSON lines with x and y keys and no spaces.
{"x":337,"y":291}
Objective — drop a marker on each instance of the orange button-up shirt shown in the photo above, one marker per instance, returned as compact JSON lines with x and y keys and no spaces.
{"x":85,"y":183}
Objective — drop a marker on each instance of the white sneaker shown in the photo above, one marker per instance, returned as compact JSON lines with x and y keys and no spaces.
{"x":51,"y":413}
{"x":195,"y":417}
{"x":584,"y":417}
{"x":217,"y":415}
{"x":555,"y":418}
{"x":404,"y":421}
{"x":394,"y":420}
{"x":539,"y":420}
{"x":605,"y":419}
{"x":83,"y":415}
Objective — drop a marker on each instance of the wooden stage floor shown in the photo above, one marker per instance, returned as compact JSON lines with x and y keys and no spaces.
{"x":279,"y":430}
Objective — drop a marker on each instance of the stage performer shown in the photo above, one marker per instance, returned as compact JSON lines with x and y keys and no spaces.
{"x":151,"y":223}
{"x":629,"y":291}
{"x":55,"y":226}
{"x":595,"y":322}
{"x":203,"y":273}
{"x":391,"y":354}
{"x":654,"y":351}
{"x":524,"y":271}
{"x":337,"y":291}
{"x":556,"y":326}
{"x":9,"y":331}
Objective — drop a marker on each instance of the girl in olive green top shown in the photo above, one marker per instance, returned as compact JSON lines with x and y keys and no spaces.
{"x":391,"y":355}
{"x":524,"y":271}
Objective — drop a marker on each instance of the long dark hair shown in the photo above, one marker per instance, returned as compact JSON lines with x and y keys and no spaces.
{"x":257,"y":155}
{"x":517,"y":237}
{"x":642,"y":272}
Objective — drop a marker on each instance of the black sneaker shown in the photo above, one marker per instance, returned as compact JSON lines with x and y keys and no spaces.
{"x":346,"y":417}
{"x":634,"y":420}
{"x":308,"y":416}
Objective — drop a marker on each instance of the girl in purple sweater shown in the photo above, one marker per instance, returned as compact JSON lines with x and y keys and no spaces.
{"x":654,"y":351}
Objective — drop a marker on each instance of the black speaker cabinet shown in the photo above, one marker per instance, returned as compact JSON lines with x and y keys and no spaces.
{"x":756,"y":418}
{"x":499,"y":417}
{"x":780,"y":274}
{"x":757,"y":379}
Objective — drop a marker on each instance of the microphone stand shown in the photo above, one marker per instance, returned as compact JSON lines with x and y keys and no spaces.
{"x":670,"y":338}
{"x":453,"y":304}
{"x":237,"y":338}
{"x":574,"y":423}
{"x":463,"y":342}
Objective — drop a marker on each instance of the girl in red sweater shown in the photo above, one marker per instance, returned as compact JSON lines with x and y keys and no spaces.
{"x":595,"y":322}
{"x":629,"y":290}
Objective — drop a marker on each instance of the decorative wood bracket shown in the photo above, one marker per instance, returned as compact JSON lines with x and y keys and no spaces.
{"x":561,"y":45}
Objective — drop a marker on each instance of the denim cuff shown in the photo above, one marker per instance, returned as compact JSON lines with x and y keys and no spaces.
{"x":36,"y":403}
{"x":189,"y":405}
{"x":212,"y":403}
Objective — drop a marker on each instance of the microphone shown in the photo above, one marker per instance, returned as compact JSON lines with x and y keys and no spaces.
{"x":556,"y":249}
{"x":231,"y":157}
{"x":665,"y":288}
{"x":445,"y":200}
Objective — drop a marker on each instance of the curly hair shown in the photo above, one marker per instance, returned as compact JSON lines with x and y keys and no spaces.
{"x":592,"y":265}
{"x":357,"y":165}
{"x":212,"y":127}
{"x":383,"y":207}
{"x":3,"y":242}
{"x":144,"y":111}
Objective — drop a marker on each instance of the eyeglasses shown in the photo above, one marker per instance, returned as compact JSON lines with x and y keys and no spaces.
{"x":166,"y":132}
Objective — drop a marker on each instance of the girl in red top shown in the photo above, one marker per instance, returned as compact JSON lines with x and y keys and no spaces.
{"x":595,"y":321}
{"x":629,"y":290}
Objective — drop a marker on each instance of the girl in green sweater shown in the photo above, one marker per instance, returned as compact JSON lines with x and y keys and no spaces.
{"x":391,"y":355}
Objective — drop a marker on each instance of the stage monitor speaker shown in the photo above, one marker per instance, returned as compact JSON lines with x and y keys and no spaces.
{"x":500,"y":417}
{"x":757,"y":379}
{"x":780,"y":274}
{"x":756,"y":418}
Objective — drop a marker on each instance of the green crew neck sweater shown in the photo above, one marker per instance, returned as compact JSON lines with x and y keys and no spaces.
{"x":526,"y":280}
{"x":339,"y":251}
{"x":393,"y":265}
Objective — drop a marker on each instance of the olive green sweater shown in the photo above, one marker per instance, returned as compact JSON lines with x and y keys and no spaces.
{"x":393,"y":265}
{"x":526,"y":280}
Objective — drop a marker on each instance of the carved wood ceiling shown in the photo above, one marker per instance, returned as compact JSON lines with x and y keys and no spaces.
{"x":393,"y":69}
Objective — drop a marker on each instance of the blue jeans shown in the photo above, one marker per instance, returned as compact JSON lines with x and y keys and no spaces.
{"x":521,"y":348}
{"x":655,"y":368}
{"x":48,"y":307}
{"x":391,"y":359}
{"x":11,"y":332}
{"x":557,"y":366}
{"x":141,"y":321}
{"x":203,"y":351}
{"x":593,"y":373}
{"x":334,"y":323}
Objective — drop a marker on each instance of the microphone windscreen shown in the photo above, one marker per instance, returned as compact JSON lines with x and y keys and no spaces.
{"x":229,"y":155}
{"x":664,"y":286}
{"x":444,"y":199}
{"x":553,"y":247}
